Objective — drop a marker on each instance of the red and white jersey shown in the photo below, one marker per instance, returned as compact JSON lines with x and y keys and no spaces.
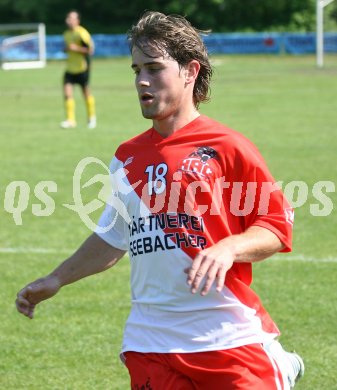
{"x":173,"y":197}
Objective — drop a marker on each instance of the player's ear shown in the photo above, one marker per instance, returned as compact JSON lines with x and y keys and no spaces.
{"x":191,"y":71}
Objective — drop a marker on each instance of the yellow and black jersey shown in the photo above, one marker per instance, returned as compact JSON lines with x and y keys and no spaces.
{"x":77,"y":62}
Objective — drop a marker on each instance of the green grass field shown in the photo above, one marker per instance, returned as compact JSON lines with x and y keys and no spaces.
{"x":285,"y":105}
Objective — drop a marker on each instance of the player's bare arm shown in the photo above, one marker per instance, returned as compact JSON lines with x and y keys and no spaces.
{"x":94,"y":256}
{"x":80,"y":49}
{"x":212,"y":264}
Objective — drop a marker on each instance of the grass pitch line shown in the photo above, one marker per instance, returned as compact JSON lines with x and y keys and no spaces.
{"x":306,"y":259}
{"x":35,"y":250}
{"x":299,"y":257}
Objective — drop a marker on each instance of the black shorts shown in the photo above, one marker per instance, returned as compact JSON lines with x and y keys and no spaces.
{"x":77,"y":78}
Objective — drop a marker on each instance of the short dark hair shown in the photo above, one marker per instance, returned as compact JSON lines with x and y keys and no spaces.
{"x":176,"y":36}
{"x":76,"y":12}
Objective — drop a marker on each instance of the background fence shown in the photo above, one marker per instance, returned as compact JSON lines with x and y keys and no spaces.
{"x":225,"y":43}
{"x":109,"y":45}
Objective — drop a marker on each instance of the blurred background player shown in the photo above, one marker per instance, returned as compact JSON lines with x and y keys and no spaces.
{"x":79,"y":47}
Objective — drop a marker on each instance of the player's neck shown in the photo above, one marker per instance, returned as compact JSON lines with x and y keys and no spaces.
{"x":73,"y":28}
{"x":171,"y":124}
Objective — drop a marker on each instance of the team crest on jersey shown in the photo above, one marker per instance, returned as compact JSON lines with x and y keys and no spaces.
{"x":200,"y":162}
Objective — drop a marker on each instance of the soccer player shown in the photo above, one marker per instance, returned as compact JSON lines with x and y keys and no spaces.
{"x":194,"y":204}
{"x":79,"y":47}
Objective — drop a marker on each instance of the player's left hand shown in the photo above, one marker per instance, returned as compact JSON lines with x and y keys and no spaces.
{"x":73,"y":47}
{"x":210,"y":265}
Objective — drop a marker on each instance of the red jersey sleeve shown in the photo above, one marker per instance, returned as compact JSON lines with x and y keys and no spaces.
{"x":255,"y":196}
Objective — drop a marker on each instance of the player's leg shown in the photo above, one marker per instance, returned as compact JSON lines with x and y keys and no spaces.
{"x":244,"y":368}
{"x":151,"y":371}
{"x":290,"y":363}
{"x":89,"y":100}
{"x":69,"y":102}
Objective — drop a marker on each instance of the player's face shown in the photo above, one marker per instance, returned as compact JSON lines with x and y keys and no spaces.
{"x":72,"y":20}
{"x":160,"y":84}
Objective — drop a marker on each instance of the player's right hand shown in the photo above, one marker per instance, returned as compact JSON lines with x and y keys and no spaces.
{"x":35,"y":292}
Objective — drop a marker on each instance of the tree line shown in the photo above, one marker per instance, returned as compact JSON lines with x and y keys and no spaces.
{"x":116,"y":16}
